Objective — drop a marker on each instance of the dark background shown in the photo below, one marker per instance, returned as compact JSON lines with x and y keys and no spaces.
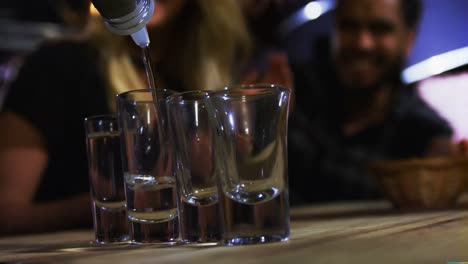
{"x":444,"y":27}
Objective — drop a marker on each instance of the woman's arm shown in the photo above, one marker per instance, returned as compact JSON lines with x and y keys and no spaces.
{"x":23,"y":159}
{"x":20,"y":217}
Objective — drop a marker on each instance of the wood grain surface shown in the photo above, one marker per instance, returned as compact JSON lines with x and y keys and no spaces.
{"x":364,"y":232}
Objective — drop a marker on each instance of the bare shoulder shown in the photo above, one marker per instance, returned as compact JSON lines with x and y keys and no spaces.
{"x":18,"y":132}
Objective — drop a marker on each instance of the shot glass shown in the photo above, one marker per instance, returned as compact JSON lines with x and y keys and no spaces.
{"x":192,"y":137}
{"x":106,"y":179}
{"x":150,"y":185}
{"x":251,"y":162}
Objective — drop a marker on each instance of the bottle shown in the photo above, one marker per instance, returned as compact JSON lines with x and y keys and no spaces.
{"x":127,"y":17}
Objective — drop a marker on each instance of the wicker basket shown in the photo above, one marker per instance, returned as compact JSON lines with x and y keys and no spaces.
{"x":418,"y":184}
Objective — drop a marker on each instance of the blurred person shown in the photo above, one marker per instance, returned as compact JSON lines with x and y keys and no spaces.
{"x":354,"y":108}
{"x":63,"y":17}
{"x":42,"y":179}
{"x":196,"y":44}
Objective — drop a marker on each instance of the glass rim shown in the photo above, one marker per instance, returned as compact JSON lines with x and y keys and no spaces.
{"x":267,"y":89}
{"x":174,"y":98}
{"x":101,"y":116}
{"x":252,"y":86}
{"x":110,"y":121}
{"x":123,"y":95}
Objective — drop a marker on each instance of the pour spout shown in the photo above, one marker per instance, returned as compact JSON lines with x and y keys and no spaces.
{"x":141,"y":37}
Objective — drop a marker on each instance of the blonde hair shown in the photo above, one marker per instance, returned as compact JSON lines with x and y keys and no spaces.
{"x":115,"y":64}
{"x":204,"y":47}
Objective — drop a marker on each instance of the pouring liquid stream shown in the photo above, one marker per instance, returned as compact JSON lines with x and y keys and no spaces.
{"x":148,"y":63}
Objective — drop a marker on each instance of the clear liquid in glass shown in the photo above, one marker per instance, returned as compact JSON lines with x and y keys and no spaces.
{"x":152,"y":208}
{"x":110,"y":219}
{"x":107,"y":188}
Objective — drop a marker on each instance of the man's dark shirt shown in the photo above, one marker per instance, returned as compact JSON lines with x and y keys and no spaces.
{"x":324,"y":164}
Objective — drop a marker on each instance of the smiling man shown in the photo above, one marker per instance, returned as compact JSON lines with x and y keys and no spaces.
{"x":372,"y":40}
{"x":353,"y":108}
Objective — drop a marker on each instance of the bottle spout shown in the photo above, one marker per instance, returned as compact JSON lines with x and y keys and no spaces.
{"x":141,"y":37}
{"x":125,"y":17}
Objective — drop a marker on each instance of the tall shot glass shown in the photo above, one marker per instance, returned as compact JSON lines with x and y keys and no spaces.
{"x":147,"y":155}
{"x":192,"y":138}
{"x":251,"y":161}
{"x":106,"y":179}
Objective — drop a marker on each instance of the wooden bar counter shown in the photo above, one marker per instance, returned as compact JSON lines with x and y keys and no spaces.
{"x":347,"y":232}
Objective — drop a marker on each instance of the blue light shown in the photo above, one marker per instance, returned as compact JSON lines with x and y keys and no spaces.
{"x":313,"y":10}
{"x":436,"y":65}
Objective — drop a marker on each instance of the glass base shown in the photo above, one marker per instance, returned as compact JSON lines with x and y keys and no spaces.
{"x":123,"y":240}
{"x":254,"y":240}
{"x":157,"y":243}
{"x":155,"y":233}
{"x":202,"y":244}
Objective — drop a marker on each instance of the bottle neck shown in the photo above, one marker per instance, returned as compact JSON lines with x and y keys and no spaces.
{"x":125,"y":17}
